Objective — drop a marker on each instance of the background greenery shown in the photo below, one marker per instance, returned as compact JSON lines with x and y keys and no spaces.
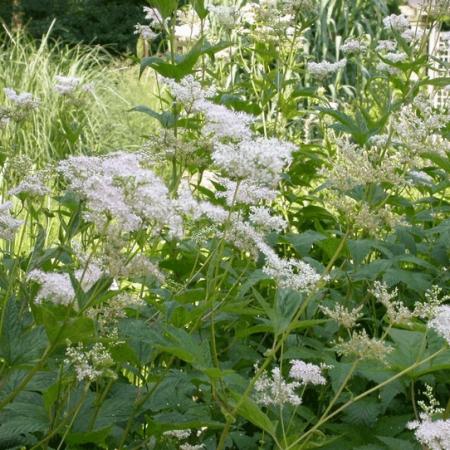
{"x":104,"y":22}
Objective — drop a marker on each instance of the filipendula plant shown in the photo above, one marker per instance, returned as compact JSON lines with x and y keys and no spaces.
{"x":234,"y":284}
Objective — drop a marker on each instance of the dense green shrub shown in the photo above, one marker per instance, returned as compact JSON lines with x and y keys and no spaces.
{"x":105,"y":22}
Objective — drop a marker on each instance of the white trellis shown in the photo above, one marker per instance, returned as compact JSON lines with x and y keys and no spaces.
{"x":438,"y":49}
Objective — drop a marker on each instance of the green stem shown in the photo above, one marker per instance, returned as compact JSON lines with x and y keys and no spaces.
{"x":77,"y":411}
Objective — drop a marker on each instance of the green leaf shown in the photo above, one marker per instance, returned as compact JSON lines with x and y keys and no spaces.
{"x":18,"y":345}
{"x":398,"y":444}
{"x":167,"y":119}
{"x":303,"y":242}
{"x":357,"y":128}
{"x":363,"y":412}
{"x":439,"y":82}
{"x":25,"y":415}
{"x":200,"y":9}
{"x":408,"y":345}
{"x":250,"y":410}
{"x":75,"y":329}
{"x":359,"y":249}
{"x":187,"y":347}
{"x":184,"y":64}
{"x":165,"y":7}
{"x":89,"y":437}
{"x":417,"y":281}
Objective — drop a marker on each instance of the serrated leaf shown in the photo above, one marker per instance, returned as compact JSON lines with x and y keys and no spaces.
{"x":364,"y":412}
{"x":398,"y":444}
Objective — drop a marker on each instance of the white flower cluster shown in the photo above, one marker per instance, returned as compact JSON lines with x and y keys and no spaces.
{"x":32,"y":185}
{"x":290,"y":273}
{"x":355,"y":166}
{"x":55,"y":287}
{"x":90,"y":364}
{"x":308,"y":373}
{"x":153,"y":15}
{"x":156,"y":22}
{"x":441,"y":322}
{"x":224,"y":15}
{"x":253,"y":167}
{"x":398,"y":23}
{"x":264,"y":220}
{"x":386,"y":45}
{"x":395,"y":57}
{"x":433,"y":301}
{"x":23,"y":100}
{"x":187,"y":204}
{"x":118,"y":188}
{"x":342,"y":315}
{"x":8,"y":224}
{"x":274,"y":390}
{"x":188,"y":90}
{"x":417,"y":126}
{"x":192,"y":446}
{"x":221,"y":122}
{"x":145,"y":32}
{"x":68,"y":85}
{"x":269,"y":19}
{"x":260,"y":159}
{"x":178,"y":434}
{"x":434,"y":434}
{"x":412,"y":34}
{"x":246,"y":193}
{"x":141,"y":266}
{"x":325,"y":68}
{"x":362,"y":346}
{"x":353,"y":47}
{"x":396,"y":311}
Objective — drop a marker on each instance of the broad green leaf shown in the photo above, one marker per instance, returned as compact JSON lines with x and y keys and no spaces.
{"x":359,"y":249}
{"x":251,"y":411}
{"x":417,"y":281}
{"x":304,"y":241}
{"x":408,"y":345}
{"x":97,"y":437}
{"x":439,"y":81}
{"x":200,"y":9}
{"x":364,"y":412}
{"x":184,"y":64}
{"x":165,"y":7}
{"x":399,"y":444}
{"x":19,"y":345}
